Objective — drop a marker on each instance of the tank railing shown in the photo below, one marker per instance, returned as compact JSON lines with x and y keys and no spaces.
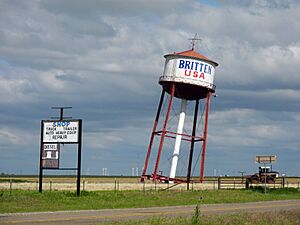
{"x":172,"y":78}
{"x":186,"y":137}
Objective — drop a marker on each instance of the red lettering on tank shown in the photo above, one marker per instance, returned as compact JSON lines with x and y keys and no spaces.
{"x":202,"y":76}
{"x":187,"y":74}
{"x":195,"y":74}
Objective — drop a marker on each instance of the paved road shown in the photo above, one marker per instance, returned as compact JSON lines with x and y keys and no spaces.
{"x":98,"y":216}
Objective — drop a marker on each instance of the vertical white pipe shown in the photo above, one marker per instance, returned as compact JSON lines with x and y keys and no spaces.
{"x":178,"y":138}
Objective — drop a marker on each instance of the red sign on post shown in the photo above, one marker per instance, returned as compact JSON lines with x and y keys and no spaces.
{"x":50,"y":156}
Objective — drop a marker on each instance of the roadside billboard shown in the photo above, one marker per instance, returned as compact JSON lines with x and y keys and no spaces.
{"x":265,"y":158}
{"x":60,"y":131}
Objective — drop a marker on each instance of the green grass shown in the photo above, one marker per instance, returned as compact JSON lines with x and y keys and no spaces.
{"x":31,"y":201}
{"x":291,"y":217}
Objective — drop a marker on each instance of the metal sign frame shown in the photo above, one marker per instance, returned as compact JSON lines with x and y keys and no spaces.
{"x":79,"y":145}
{"x":59,"y":128}
{"x":265,"y":158}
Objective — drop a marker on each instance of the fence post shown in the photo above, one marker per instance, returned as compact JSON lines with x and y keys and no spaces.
{"x":115,"y":184}
{"x":247,"y":184}
{"x":10,"y":186}
{"x":234,"y":183}
{"x":282,"y":182}
{"x":50,"y":185}
{"x":219,"y":183}
{"x":83,"y":185}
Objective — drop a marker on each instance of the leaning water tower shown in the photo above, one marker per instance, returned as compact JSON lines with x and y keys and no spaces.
{"x":187,"y":76}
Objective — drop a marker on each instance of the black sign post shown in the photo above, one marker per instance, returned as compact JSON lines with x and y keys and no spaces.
{"x":79,"y":158}
{"x":54,"y":133}
{"x":41,"y":159}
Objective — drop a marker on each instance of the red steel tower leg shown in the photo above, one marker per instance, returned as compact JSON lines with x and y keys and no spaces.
{"x":205,"y":138}
{"x":164,"y":131}
{"x":192,"y":144}
{"x":152,"y":135}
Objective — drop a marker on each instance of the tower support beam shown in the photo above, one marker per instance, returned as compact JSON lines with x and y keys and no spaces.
{"x":192,"y":144}
{"x":162,"y":137}
{"x":152,"y":134}
{"x":205,"y":138}
{"x":178,"y":138}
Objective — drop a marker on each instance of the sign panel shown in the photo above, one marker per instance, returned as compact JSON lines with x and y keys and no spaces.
{"x":60,"y":131}
{"x":190,"y":71}
{"x":50,"y":156}
{"x":265,"y":159}
{"x":195,"y":69}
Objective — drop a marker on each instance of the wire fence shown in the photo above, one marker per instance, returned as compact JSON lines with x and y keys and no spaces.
{"x":121,"y":184}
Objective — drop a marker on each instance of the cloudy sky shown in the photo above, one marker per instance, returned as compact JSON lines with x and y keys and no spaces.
{"x":104,"y":59}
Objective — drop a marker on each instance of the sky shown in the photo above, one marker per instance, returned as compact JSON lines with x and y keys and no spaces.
{"x":104,"y":59}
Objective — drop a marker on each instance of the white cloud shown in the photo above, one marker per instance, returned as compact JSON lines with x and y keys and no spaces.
{"x":252,"y":128}
{"x":14,"y":136}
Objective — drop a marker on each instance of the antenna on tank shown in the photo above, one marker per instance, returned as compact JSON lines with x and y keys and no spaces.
{"x":193,"y":40}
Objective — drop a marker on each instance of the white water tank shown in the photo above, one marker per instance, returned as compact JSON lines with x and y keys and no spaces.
{"x":192,"y":72}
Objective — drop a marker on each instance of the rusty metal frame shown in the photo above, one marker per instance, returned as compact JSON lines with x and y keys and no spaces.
{"x":189,"y":169}
{"x":205,"y":138}
{"x":162,"y":138}
{"x":173,"y":135}
{"x":164,"y":133}
{"x":152,"y":135}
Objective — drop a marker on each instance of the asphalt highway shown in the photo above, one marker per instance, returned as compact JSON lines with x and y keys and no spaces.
{"x":98,"y":216}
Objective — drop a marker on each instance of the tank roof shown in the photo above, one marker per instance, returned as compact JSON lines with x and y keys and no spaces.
{"x":191,"y":53}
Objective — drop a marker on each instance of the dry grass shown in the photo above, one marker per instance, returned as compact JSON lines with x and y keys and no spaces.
{"x":291,"y":217}
{"x":92,"y":183}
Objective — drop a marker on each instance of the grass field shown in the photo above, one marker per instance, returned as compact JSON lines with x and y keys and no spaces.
{"x":270,"y":218}
{"x":31,"y":201}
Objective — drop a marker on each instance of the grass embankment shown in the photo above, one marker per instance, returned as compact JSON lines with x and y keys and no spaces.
{"x":271,"y":218}
{"x":32,"y":201}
